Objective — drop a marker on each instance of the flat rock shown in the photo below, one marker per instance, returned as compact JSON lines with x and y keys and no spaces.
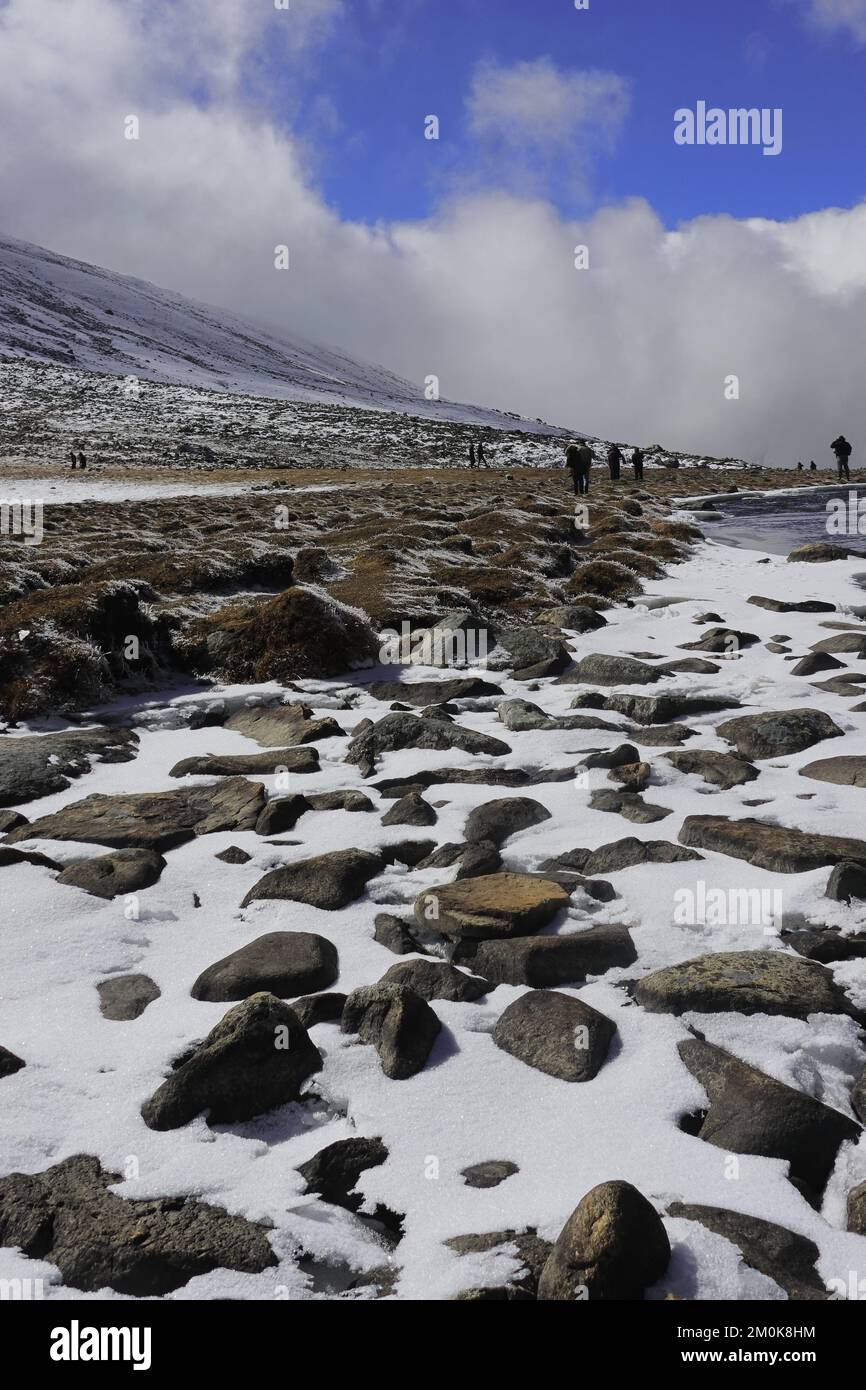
{"x":625,"y":854}
{"x":545,"y":961}
{"x":294,"y":760}
{"x":329,"y":881}
{"x":561,"y":1036}
{"x":814,"y":662}
{"x":774,"y":847}
{"x":599,"y":668}
{"x":436,"y":980}
{"x":157,"y":820}
{"x":34,"y":766}
{"x":661,"y":709}
{"x":393,"y":787}
{"x":782,"y":1255}
{"x":574,"y":617}
{"x":492,"y":905}
{"x":109,"y":875}
{"x":847,"y":771}
{"x":821,"y":551}
{"x":527,"y":1248}
{"x":397,"y":1022}
{"x":532,"y":652}
{"x":778,"y":733}
{"x":778,"y":605}
{"x":123,"y":998}
{"x":279,"y":726}
{"x":496,"y":821}
{"x":234,"y":855}
{"x":257,"y":1057}
{"x":723,"y":770}
{"x":613,"y":1247}
{"x":620,"y":756}
{"x":721,"y":640}
{"x":488,"y":1174}
{"x":397,"y":731}
{"x":630,"y":805}
{"x":284,"y":963}
{"x":751,"y":1113}
{"x":422,"y":693}
{"x":744,"y":982}
{"x":144,"y":1249}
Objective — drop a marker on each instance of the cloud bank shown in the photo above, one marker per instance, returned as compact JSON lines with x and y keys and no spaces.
{"x":485,"y":294}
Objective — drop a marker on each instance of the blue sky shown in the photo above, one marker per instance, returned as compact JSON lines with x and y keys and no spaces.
{"x":387,"y":65}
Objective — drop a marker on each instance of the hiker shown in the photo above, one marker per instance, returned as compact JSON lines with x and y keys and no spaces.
{"x":842,"y":449}
{"x":637,"y":464}
{"x":73,"y":456}
{"x":578,"y":461}
{"x":813,"y":467}
{"x":471,"y":455}
{"x":481,"y":462}
{"x":82,"y":461}
{"x":614,"y":463}
{"x":799,"y":467}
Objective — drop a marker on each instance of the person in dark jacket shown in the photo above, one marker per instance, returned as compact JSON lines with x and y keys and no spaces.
{"x":471,"y":455}
{"x":82,"y":461}
{"x":578,"y":461}
{"x":842,"y":449}
{"x":481,"y":459}
{"x":74,"y":458}
{"x":637,"y":465}
{"x":813,"y":467}
{"x":614,"y":462}
{"x":799,"y":467}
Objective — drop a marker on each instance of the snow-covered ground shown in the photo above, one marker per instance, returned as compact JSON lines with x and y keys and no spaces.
{"x":86,"y":1077}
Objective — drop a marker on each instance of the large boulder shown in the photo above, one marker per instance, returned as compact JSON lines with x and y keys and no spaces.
{"x":625,"y":854}
{"x":847,"y":771}
{"x":329,"y":881}
{"x":561,"y":1036}
{"x":431,"y":979}
{"x":778,"y":848}
{"x":723,"y":770}
{"x":156,"y":820}
{"x":492,"y":905}
{"x":778,"y":733}
{"x":543,"y":961}
{"x":744,"y":982}
{"x":496,"y":821}
{"x":780,"y":1254}
{"x":423,"y":693}
{"x":661,"y":709}
{"x":109,"y":875}
{"x":35,"y":766}
{"x":282,"y":726}
{"x":397,"y":1022}
{"x":613,"y":1247}
{"x":294,"y":760}
{"x":284,"y":963}
{"x":257,"y":1057}
{"x":144,"y":1249}
{"x":531,"y":652}
{"x":600,"y":668}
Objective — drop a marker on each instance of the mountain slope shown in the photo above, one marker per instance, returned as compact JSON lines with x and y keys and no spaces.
{"x":57,"y":310}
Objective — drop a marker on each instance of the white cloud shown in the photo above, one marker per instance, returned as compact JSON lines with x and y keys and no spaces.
{"x":846,"y":15}
{"x":484,"y":295}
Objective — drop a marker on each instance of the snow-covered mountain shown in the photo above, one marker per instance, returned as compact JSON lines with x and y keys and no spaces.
{"x":53,"y":309}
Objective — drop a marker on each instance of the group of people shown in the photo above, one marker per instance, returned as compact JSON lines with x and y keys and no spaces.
{"x":476,"y":459}
{"x":843,"y":451}
{"x":78,"y":460}
{"x":579,"y":459}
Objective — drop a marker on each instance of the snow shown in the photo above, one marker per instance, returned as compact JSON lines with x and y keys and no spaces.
{"x":86,"y":1077}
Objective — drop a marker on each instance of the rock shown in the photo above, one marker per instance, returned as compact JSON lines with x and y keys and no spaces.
{"x":815,"y":551}
{"x":561,"y":1036}
{"x":782,"y":1255}
{"x":722,"y":641}
{"x":751,"y":1113}
{"x":858,"y":1098}
{"x":825,"y":944}
{"x":520,"y":715}
{"x":496,"y":821}
{"x":394,"y":787}
{"x":334,"y":1171}
{"x":723,"y":770}
{"x":574,"y":617}
{"x":319,"y":1008}
{"x":691,"y":666}
{"x":143,"y":1249}
{"x":282,"y":813}
{"x":488,"y":1174}
{"x":856,"y":1209}
{"x":622,"y":756}
{"x":284,"y":963}
{"x":533,"y":653}
{"x":744,"y":982}
{"x":109,"y":875}
{"x":436,"y":980}
{"x":26,"y":856}
{"x":842,"y":642}
{"x":660,"y":709}
{"x":847,"y":881}
{"x":399,"y":1023}
{"x":156,"y":820}
{"x":814,"y":662}
{"x":629,"y":805}
{"x":493,"y":905}
{"x":234,"y":855}
{"x":125,"y":997}
{"x":434,"y":692}
{"x":625,"y":854}
{"x":350,"y":800}
{"x":633,"y":777}
{"x":545,"y":961}
{"x":34,"y":766}
{"x":778,"y":733}
{"x":613,"y":1247}
{"x":397,"y":731}
{"x":257,"y":1057}
{"x":293,"y":760}
{"x":281,"y":726}
{"x":410,"y":852}
{"x":411,"y":809}
{"x":774,"y":847}
{"x":9,"y":1064}
{"x":394,"y":934}
{"x":662,"y":735}
{"x":10,"y":820}
{"x":600,"y":668}
{"x":328,"y":881}
{"x":847,"y":771}
{"x":776,"y":605}
{"x":527,"y":1247}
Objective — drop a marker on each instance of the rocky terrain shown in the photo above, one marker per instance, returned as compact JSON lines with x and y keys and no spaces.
{"x":417,"y":889}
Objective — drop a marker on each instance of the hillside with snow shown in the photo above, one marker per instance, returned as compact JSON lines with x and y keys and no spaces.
{"x":57,"y":310}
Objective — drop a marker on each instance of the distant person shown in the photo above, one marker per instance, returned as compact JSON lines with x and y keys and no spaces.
{"x":842,"y":449}
{"x":800,"y":467}
{"x":471,"y":455}
{"x":482,"y":463}
{"x":74,"y":458}
{"x":82,"y":461}
{"x":614,"y":463}
{"x":637,"y":465}
{"x":578,"y":461}
{"x":813,"y":467}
